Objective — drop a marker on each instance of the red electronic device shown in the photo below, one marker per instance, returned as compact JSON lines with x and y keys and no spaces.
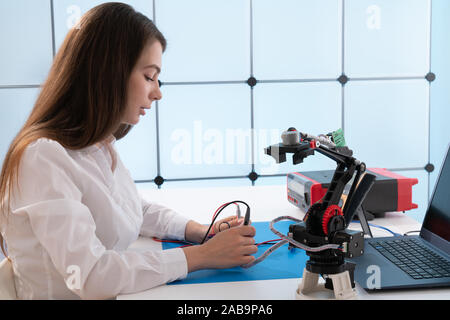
{"x":390,"y":192}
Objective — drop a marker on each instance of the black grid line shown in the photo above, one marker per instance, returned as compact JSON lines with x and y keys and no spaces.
{"x":158,"y":147}
{"x":251,"y":38}
{"x":387,"y":78}
{"x":252,"y":126}
{"x":245,"y":177}
{"x":52,"y":15}
{"x":252,"y":100}
{"x":195,"y":179}
{"x":393,"y":78}
{"x":158,"y":143}
{"x":189,"y":83}
{"x":343,"y":109}
{"x":429,"y":97}
{"x":343,"y":5}
{"x":154,"y":11}
{"x":20,"y":86}
{"x":297,"y":80}
{"x":343,"y":65}
{"x":343,"y":37}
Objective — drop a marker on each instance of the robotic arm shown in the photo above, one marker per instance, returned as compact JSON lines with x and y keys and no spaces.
{"x":325,"y":222}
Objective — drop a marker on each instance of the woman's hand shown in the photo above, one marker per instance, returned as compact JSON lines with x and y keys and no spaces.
{"x":226,"y":223}
{"x":195,"y":232}
{"x":229,"y":248}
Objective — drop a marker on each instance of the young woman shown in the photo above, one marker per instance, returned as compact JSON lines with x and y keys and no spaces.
{"x":68,"y":203}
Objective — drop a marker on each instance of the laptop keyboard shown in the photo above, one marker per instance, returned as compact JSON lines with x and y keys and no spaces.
{"x":418,"y":261}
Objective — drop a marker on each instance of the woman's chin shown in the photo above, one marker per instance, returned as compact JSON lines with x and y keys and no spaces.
{"x":131,"y":121}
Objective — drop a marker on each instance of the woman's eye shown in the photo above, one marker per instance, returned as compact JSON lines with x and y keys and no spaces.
{"x":148,"y":78}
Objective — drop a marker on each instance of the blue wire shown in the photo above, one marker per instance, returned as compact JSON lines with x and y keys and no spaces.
{"x":384,"y":228}
{"x":381,"y":227}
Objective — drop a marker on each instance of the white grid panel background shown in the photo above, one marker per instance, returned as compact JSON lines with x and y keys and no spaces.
{"x":236,"y":73}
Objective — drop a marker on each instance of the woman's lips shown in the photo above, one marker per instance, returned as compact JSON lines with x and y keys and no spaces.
{"x":142,"y":110}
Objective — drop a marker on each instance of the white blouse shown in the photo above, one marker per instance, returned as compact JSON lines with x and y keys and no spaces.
{"x":72,"y":223}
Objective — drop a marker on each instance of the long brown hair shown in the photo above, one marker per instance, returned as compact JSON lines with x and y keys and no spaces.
{"x":84,"y":97}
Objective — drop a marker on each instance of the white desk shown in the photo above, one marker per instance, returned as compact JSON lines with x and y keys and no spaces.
{"x":266,"y":203}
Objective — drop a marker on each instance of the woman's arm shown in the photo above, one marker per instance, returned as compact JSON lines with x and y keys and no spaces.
{"x":195,"y":231}
{"x":66,"y":230}
{"x":231,"y":246}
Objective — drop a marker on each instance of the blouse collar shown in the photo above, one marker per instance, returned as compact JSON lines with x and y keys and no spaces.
{"x":97,"y":146}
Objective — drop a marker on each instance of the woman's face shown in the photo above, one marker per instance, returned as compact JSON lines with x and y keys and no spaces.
{"x":143,"y":86}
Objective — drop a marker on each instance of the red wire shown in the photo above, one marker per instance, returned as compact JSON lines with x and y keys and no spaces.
{"x":215,"y":213}
{"x":163,"y":240}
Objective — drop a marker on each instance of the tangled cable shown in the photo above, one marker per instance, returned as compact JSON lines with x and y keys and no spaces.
{"x":219,"y":210}
{"x":286,"y":239}
{"x":282,"y":241}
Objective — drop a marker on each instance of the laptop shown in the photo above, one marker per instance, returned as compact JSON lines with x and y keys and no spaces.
{"x":421,"y":261}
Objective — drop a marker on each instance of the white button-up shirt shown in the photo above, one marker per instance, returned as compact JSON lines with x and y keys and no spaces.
{"x":73,"y":220}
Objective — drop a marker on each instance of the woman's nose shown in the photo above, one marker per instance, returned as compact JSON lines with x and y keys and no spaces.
{"x":156,"y":94}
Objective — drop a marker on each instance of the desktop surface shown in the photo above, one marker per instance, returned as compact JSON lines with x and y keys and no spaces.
{"x":267,"y":203}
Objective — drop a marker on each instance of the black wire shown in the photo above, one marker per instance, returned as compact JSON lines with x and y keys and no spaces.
{"x":221,"y":209}
{"x":406,"y":233}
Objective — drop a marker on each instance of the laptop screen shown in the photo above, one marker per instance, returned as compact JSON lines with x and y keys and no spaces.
{"x":437,"y":218}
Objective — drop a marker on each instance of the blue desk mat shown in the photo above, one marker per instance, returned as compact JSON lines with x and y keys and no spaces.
{"x":281,"y":264}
